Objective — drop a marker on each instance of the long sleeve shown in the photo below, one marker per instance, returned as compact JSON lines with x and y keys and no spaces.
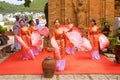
{"x":29,"y":32}
{"x":19,"y":32}
{"x":16,"y":27}
{"x":53,"y":34}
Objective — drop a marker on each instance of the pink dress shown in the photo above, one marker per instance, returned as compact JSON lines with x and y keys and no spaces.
{"x":58,"y":42}
{"x":36,"y":39}
{"x":93,"y":36}
{"x":25,"y":36}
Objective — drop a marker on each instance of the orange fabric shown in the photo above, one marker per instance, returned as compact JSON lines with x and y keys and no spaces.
{"x":93,"y":36}
{"x":25,"y":35}
{"x":68,"y":43}
{"x":32,"y":28}
{"x":70,"y":27}
{"x":60,"y":39}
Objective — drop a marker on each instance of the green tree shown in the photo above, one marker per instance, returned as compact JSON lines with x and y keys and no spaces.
{"x":35,"y":6}
{"x":27,"y":3}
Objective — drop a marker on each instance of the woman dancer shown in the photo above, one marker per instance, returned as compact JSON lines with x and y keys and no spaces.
{"x":58,"y":42}
{"x":25,"y":41}
{"x":93,"y":36}
{"x":36,"y":36}
{"x":70,"y":49}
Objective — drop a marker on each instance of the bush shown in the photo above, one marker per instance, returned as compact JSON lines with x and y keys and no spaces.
{"x":105,"y":26}
{"x":2,"y":29}
{"x":9,"y":23}
{"x":113,"y":43}
{"x":117,"y":32}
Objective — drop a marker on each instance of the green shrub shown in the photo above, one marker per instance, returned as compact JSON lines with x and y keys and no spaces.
{"x":117,"y":32}
{"x":105,"y":26}
{"x":2,"y":29}
{"x":8,"y":23}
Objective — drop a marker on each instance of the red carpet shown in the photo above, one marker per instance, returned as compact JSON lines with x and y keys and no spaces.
{"x":80,"y":63}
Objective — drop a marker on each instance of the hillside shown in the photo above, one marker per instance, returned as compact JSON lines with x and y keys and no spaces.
{"x":36,"y":6}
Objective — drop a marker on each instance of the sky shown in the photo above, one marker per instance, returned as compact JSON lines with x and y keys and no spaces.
{"x":17,"y":2}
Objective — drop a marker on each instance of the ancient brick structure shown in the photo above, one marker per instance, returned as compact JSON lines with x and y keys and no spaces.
{"x":117,"y":8}
{"x":80,"y":11}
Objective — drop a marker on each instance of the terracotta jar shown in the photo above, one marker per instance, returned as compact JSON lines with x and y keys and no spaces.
{"x":48,"y":66}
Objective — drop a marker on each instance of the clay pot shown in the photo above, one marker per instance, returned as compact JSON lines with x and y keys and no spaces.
{"x":48,"y":66}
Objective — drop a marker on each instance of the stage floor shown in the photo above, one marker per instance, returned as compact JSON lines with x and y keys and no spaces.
{"x":63,"y":77}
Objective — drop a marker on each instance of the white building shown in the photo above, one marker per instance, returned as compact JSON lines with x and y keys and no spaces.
{"x":1,"y":17}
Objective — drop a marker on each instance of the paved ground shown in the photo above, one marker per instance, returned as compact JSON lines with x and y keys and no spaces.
{"x":62,"y":77}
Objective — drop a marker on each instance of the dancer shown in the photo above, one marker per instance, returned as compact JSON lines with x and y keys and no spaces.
{"x":36,"y":37}
{"x":74,"y":38}
{"x":32,"y":26}
{"x":24,"y":38}
{"x":44,"y":31}
{"x":93,"y":36}
{"x":39,"y":26}
{"x":70,"y":49}
{"x":58,"y":42}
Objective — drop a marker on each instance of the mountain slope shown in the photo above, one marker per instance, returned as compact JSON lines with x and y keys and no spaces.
{"x":36,"y":6}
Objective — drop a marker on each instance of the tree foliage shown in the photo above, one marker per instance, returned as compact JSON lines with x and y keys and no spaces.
{"x":27,"y":3}
{"x":35,"y":6}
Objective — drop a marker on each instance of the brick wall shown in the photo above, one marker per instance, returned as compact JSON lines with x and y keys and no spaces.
{"x":97,"y":9}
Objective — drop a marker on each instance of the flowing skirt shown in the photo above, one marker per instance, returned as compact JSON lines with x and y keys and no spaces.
{"x":27,"y":54}
{"x":35,"y":50}
{"x":95,"y":54}
{"x":70,"y":50}
{"x":26,"y":51}
{"x":60,"y":65}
